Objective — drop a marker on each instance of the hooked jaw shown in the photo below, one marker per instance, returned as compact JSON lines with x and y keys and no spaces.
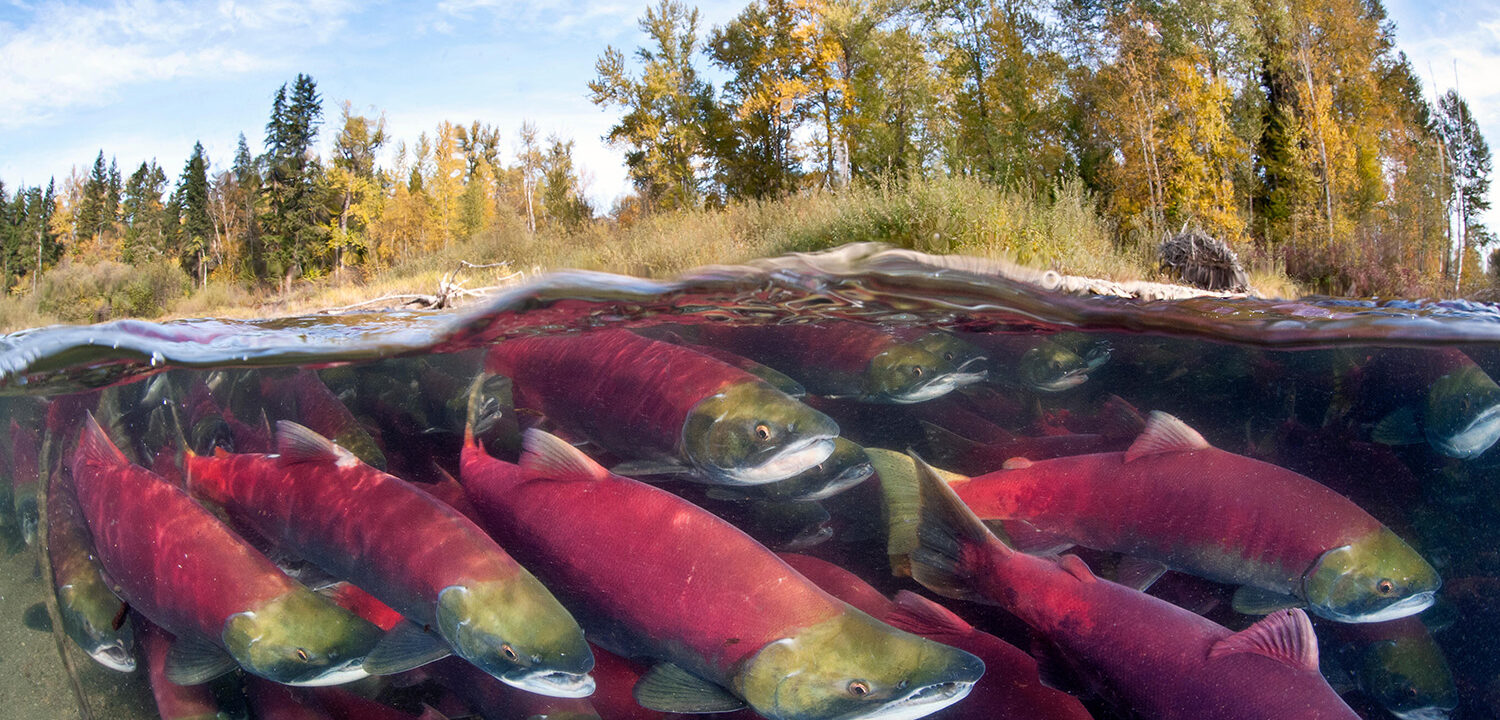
{"x":923,"y":701}
{"x":1474,"y":439}
{"x":554,"y":683}
{"x":115,"y":657}
{"x":785,"y":462}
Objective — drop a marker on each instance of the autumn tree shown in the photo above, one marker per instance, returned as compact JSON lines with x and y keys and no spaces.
{"x":1469,"y":165}
{"x":665,"y":107}
{"x":353,"y":188}
{"x":561,"y":189}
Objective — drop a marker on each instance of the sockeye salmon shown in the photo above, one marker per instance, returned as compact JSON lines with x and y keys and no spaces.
{"x":1144,"y":655}
{"x":91,"y":614}
{"x":846,"y":359}
{"x":173,"y":701}
{"x":182,"y":568}
{"x":731,"y":624}
{"x":1173,"y":499}
{"x":658,"y":402}
{"x":409,"y":550}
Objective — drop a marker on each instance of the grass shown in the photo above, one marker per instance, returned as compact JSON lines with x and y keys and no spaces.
{"x":1057,"y":229}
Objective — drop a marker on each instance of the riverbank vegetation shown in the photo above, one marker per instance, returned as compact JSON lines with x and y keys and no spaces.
{"x":1067,"y":135}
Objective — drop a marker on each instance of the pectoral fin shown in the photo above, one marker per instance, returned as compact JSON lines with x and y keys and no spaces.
{"x":191,"y":661}
{"x":1257,"y":601}
{"x":1399,"y":428}
{"x":406,"y":646}
{"x":668,"y":688}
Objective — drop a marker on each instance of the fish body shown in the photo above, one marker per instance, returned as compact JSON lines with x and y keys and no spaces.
{"x":1039,"y":363}
{"x":408,"y":549}
{"x":173,"y":701}
{"x":1441,"y":397}
{"x":655,"y":401}
{"x":91,"y":614}
{"x":724,"y":615}
{"x":1011,"y":688}
{"x":1143,"y":655}
{"x":280,"y":702}
{"x":846,"y":359}
{"x":1174,"y":499}
{"x":182,"y":568}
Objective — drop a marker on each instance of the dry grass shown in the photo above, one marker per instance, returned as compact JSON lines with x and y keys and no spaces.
{"x":1058,"y":229}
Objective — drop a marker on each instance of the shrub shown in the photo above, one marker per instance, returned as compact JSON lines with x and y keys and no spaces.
{"x":101,"y":291}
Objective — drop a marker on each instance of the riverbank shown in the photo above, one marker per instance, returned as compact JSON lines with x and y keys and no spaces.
{"x":1054,"y":234}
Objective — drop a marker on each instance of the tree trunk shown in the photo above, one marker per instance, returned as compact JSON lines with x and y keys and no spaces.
{"x":1322,"y":146}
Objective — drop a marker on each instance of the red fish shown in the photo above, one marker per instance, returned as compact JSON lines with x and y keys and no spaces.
{"x":1011,"y":687}
{"x":271,"y":701}
{"x":731,"y":623}
{"x":1143,"y":655}
{"x":1174,"y":499}
{"x":173,"y":701}
{"x":664,"y":403}
{"x":182,"y":568}
{"x":414,"y":553}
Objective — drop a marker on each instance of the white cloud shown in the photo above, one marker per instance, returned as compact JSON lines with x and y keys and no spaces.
{"x":66,"y":56}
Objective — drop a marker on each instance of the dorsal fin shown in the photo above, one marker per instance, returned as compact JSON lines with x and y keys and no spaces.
{"x":1165,"y":433}
{"x":1016,"y":463}
{"x":548,"y":455}
{"x":94,"y":446}
{"x":916,"y":614}
{"x":297,"y":444}
{"x":1285,"y":635}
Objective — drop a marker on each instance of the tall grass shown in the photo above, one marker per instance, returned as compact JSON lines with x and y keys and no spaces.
{"x":1054,"y":228}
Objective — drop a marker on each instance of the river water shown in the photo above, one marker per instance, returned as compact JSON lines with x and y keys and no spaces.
{"x":1342,"y":416}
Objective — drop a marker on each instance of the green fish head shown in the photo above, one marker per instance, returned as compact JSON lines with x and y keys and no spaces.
{"x":750,"y":433}
{"x":518,"y":632}
{"x":1050,"y":367}
{"x":852,"y":666}
{"x":906,"y":374}
{"x":1374,"y":579}
{"x":300,"y":638}
{"x":966,"y":357}
{"x":97,"y":621}
{"x":1409,"y":677}
{"x":1462,"y":417}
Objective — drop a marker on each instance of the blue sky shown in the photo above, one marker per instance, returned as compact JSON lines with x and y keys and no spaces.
{"x":145,"y":79}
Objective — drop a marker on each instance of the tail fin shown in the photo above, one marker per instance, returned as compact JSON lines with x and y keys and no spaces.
{"x":899,"y":488}
{"x":949,"y":538}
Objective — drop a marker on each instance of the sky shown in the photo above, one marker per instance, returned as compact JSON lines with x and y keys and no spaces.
{"x":145,"y":79}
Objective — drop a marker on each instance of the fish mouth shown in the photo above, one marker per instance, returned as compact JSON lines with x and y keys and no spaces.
{"x":1475,"y":438}
{"x":345,"y":672}
{"x":1404,"y":607}
{"x":115,"y":657}
{"x":1424,"y":713}
{"x":554,"y":683}
{"x":939,"y":386}
{"x":1067,"y":381}
{"x":790,"y":460}
{"x":851,"y":476}
{"x":921,"y":702}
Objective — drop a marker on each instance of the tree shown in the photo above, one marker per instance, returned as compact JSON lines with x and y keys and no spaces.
{"x":292,"y":226}
{"x":665,"y":108}
{"x":247,"y":182}
{"x":355,"y":192}
{"x":144,"y":214}
{"x":529,"y":154}
{"x":1469,"y":165}
{"x":94,"y":213}
{"x":562,"y":197}
{"x":197,"y":227}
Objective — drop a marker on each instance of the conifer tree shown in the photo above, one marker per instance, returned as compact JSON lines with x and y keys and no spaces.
{"x":197,"y":228}
{"x":292,"y":222}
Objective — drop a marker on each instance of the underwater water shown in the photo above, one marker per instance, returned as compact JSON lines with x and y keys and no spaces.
{"x":859,"y":484}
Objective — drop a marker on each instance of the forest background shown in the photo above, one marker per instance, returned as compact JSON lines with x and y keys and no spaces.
{"x":1071,"y":134}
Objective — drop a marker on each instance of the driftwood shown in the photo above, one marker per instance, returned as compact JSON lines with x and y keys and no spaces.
{"x":1203,"y":261}
{"x":450,"y":290}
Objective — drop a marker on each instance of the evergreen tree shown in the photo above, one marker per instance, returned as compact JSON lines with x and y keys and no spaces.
{"x":197,"y":228}
{"x":292,"y":223}
{"x":247,"y":180}
{"x":144,"y":214}
{"x":94,"y":214}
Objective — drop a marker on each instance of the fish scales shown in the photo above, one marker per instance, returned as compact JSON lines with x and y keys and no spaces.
{"x":598,"y":382}
{"x":356,"y":522}
{"x":1139,"y":652}
{"x":1228,"y":517}
{"x":706,"y":606}
{"x":166,"y":555}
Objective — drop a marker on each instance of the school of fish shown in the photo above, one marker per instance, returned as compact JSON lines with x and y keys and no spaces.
{"x":826,"y":520}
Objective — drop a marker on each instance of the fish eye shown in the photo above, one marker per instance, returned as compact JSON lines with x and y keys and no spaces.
{"x":859,"y":688}
{"x":509,"y":652}
{"x":1411,"y":692}
{"x":917,"y":371}
{"x":1385,"y":587}
{"x":1056,"y":364}
{"x":948,"y":356}
{"x":302,"y":655}
{"x":763,"y":431}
